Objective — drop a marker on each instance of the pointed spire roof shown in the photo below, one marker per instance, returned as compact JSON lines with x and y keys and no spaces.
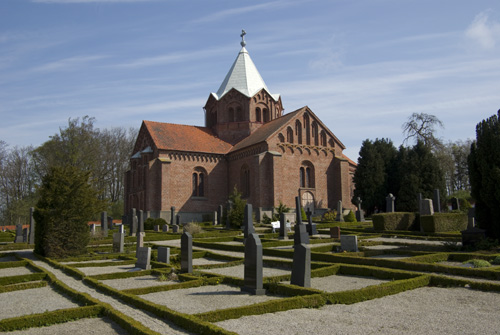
{"x":243,"y":76}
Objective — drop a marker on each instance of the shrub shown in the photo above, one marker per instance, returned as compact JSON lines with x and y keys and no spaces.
{"x":266,"y":219}
{"x":496,"y":261}
{"x":440,"y":222}
{"x":237,"y":213}
{"x":351,"y":217}
{"x":193,"y":228}
{"x":394,"y":221}
{"x":150,"y":223}
{"x":478,"y":263}
{"x":303,"y":214}
{"x":329,"y":216}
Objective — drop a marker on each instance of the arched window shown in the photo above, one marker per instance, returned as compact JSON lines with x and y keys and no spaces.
{"x":281,"y":138}
{"x":307,"y":175}
{"x":199,"y":182}
{"x":239,"y":115}
{"x":315,"y":133}
{"x":298,"y":131}
{"x":289,"y":135}
{"x":245,"y":181}
{"x":266,"y":115}
{"x":323,"y":138}
{"x":307,"y":126}
{"x":230,"y":115}
{"x":258,"y":116}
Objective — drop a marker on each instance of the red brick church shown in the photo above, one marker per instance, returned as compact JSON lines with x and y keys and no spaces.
{"x":247,"y":143}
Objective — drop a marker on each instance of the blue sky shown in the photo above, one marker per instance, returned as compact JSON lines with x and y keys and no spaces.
{"x":362,"y":66}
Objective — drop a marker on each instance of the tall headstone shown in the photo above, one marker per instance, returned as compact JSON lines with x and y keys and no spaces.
{"x":111,"y":224}
{"x":172,"y":215}
{"x":133,"y":222}
{"x":360,"y":216}
{"x":140,"y":241}
{"x":247,"y":222}
{"x":389,"y":203}
{"x":301,"y":266}
{"x":253,"y":277}
{"x":178,"y":220}
{"x":118,"y":242}
{"x":121,"y":229}
{"x":31,"y":238}
{"x":92,"y":229}
{"x":143,"y":256}
{"x":455,"y":204}
{"x":283,"y":232}
{"x":311,"y":227}
{"x":349,"y":243}
{"x":298,"y":211}
{"x":25,"y":235}
{"x":140,"y":221}
{"x":216,"y":219}
{"x":164,"y":255}
{"x":104,"y":224}
{"x":426,"y":207}
{"x":19,"y":233}
{"x":300,"y":235}
{"x":436,"y":201}
{"x":186,"y":253}
{"x":340,"y":212}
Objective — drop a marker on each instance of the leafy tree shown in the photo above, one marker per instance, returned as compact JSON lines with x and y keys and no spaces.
{"x":373,"y":176}
{"x":237,"y":213}
{"x":484,"y":169}
{"x":67,"y":202}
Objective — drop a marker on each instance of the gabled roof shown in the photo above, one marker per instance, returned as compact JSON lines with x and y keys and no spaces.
{"x":177,"y":137}
{"x":243,"y":77}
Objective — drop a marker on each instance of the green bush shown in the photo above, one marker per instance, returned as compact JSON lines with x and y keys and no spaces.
{"x":440,"y":222}
{"x":496,"y":261}
{"x":237,"y":213}
{"x":394,"y":221}
{"x":150,"y":223}
{"x":351,"y":217}
{"x":478,"y":263}
{"x":329,"y":216}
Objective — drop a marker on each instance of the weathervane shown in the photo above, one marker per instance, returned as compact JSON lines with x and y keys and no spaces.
{"x":243,"y":33}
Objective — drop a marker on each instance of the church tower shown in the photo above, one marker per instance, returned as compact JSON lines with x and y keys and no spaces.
{"x":243,"y":102}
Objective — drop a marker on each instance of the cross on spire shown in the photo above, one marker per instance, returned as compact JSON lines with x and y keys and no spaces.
{"x":243,"y":33}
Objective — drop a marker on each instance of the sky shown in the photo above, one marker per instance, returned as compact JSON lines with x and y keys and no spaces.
{"x":362,"y":66}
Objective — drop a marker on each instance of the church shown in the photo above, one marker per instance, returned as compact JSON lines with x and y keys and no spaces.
{"x":247,"y":143}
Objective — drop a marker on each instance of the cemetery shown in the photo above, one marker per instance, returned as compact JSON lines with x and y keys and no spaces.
{"x":256,"y":278}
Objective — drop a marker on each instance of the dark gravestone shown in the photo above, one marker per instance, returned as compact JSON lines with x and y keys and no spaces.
{"x":156,"y":228}
{"x":118,"y":242}
{"x":165,"y":228}
{"x":140,"y":221}
{"x":247,"y":222}
{"x":175,"y":228}
{"x":111,"y":224}
{"x":340,"y":212}
{"x":455,"y":204}
{"x":360,"y":216}
{"x":25,"y":235}
{"x":436,"y":201}
{"x":186,"y":253}
{"x":426,"y":207}
{"x":143,"y":256}
{"x":253,"y":278}
{"x":92,"y":229}
{"x":301,"y":267}
{"x":335,"y":232}
{"x":283,"y":233}
{"x":172,"y":215}
{"x":389,"y":203}
{"x":311,"y":227}
{"x":104,"y":224}
{"x":133,"y":222}
{"x":220,"y":212}
{"x":471,"y":218}
{"x":178,"y":220}
{"x":349,"y":243}
{"x":298,"y":211}
{"x":31,"y":238}
{"x":301,"y":235}
{"x":19,"y":234}
{"x":164,"y":255}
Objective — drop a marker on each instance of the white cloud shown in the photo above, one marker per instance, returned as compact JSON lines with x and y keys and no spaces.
{"x":483,"y":31}
{"x":68,"y":63}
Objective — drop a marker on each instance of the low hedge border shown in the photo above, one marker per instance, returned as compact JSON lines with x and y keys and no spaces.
{"x":272,"y":306}
{"x":64,"y":268}
{"x":22,"y":286}
{"x":120,"y":275}
{"x":22,"y":278}
{"x":395,"y":221}
{"x":216,"y":246}
{"x":16,"y":246}
{"x":167,"y":287}
{"x":100,"y":264}
{"x":442,"y":222}
{"x":216,"y":266}
{"x":13,"y":264}
{"x":444,"y":281}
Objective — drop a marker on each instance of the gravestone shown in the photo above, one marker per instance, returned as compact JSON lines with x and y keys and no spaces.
{"x":349,"y":243}
{"x":92,"y":229}
{"x":298,"y":211}
{"x":426,"y":207}
{"x":335,"y":232}
{"x":455,"y":204}
{"x":31,"y":238}
{"x":140,"y":241}
{"x":156,"y":228}
{"x":220,"y":212}
{"x":140,"y":222}
{"x":121,"y":229}
{"x":436,"y":201}
{"x":311,"y":227}
{"x":360,"y":216}
{"x":175,"y":228}
{"x":471,"y":218}
{"x":104,"y":224}
{"x":301,"y":266}
{"x":389,"y":203}
{"x":165,"y":228}
{"x":118,"y":242}
{"x":172,"y":215}
{"x":178,"y":219}
{"x":133,"y":222}
{"x":164,"y":255}
{"x":283,"y":232}
{"x":253,"y":277}
{"x":300,"y":235}
{"x":215,"y":221}
{"x":340,"y":216}
{"x":247,"y":222}
{"x":186,"y":253}
{"x":143,"y":256}
{"x":25,"y":235}
{"x":19,"y":234}
{"x":111,"y":224}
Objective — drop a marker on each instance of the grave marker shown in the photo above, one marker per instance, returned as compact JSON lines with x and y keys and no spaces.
{"x":253,"y":278}
{"x":165,"y":228}
{"x":140,"y":222}
{"x":143,"y":256}
{"x":349,"y":243}
{"x":172,"y":215}
{"x":92,"y":229}
{"x":133,"y":222}
{"x":215,"y":221}
{"x":104,"y":224}
{"x":118,"y":242}
{"x":426,"y":207}
{"x":340,"y":212}
{"x":19,"y":233}
{"x":335,"y":232}
{"x":436,"y":201}
{"x":360,"y":216}
{"x":311,"y":227}
{"x":156,"y":228}
{"x":300,"y":235}
{"x":31,"y":239}
{"x":389,"y":203}
{"x":164,"y":255}
{"x":186,"y":253}
{"x":455,"y":204}
{"x":247,"y":222}
{"x":283,"y":232}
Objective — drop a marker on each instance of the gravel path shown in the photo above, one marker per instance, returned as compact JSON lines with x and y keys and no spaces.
{"x":407,"y":241}
{"x":147,"y":319}
{"x":136,"y":282}
{"x":239,"y":271}
{"x":17,"y":271}
{"x":424,"y":311}
{"x":101,"y":326}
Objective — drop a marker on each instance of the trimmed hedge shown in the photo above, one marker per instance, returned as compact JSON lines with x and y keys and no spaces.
{"x":395,"y":221}
{"x":13,"y":264}
{"x":455,"y":282}
{"x":441,"y":222}
{"x":22,"y":286}
{"x":22,"y":278}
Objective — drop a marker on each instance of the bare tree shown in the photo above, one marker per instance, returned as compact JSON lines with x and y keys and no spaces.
{"x":422,"y":127}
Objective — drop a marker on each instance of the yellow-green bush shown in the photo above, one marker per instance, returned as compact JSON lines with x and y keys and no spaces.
{"x":440,"y":222}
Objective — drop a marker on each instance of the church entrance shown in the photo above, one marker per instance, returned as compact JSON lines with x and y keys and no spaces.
{"x":308,"y":201}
